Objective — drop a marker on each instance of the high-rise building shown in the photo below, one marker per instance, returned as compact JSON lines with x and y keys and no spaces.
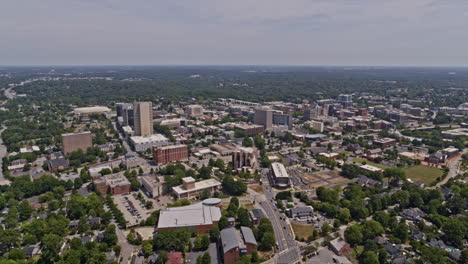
{"x":312,"y":112}
{"x":264,"y":117}
{"x":143,"y":118}
{"x":346,"y":100}
{"x":125,"y":111}
{"x":74,"y":141}
{"x":245,"y":158}
{"x":282,"y":119}
{"x":194,"y":110}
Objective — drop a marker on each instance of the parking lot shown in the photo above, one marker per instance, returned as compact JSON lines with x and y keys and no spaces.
{"x":132,"y":209}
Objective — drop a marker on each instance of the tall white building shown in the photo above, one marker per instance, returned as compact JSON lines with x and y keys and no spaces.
{"x":143,"y":118}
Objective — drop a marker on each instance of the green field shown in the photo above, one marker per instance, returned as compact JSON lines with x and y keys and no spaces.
{"x":302,"y":231}
{"x":360,"y":160}
{"x":422,"y":173}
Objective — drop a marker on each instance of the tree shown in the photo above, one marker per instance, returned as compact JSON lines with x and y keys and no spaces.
{"x":109,"y":236}
{"x":243,"y":217}
{"x":24,"y":210}
{"x":455,"y":231}
{"x":344,"y":215}
{"x":247,"y":142}
{"x":371,"y":229}
{"x":214,"y":234}
{"x":162,"y":257}
{"x":369,"y":257}
{"x":147,"y":247}
{"x":353,"y":235}
{"x":51,"y":244}
{"x":254,"y":258}
{"x":268,"y":241}
{"x":401,"y":232}
{"x":205,"y":172}
{"x":223,"y":222}
{"x":16,"y":254}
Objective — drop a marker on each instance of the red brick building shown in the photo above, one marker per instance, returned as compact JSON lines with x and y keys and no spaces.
{"x":234,"y":243}
{"x":169,"y":154}
{"x":113,"y":184}
{"x":75,"y":141}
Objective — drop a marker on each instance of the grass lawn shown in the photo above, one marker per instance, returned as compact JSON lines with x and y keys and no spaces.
{"x":302,"y":231}
{"x":360,"y":160}
{"x":422,"y":173}
{"x":257,"y":187}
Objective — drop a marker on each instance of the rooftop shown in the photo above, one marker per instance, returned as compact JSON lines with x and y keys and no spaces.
{"x":198,"y":185}
{"x":148,"y":139}
{"x":187,"y":216}
{"x":279,"y":170}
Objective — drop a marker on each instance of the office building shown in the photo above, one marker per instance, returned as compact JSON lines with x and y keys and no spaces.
{"x":264,"y":117}
{"x":282,"y":120}
{"x":169,"y":154}
{"x":194,"y":110}
{"x":142,"y":144}
{"x":143,"y":118}
{"x":300,"y":212}
{"x":74,"y":141}
{"x":154,"y":186}
{"x":196,"y":217}
{"x":236,"y":243}
{"x":113,"y":183}
{"x":250,"y":129}
{"x":315,"y":125}
{"x":245,"y":159}
{"x":346,"y":100}
{"x":191,"y":188}
{"x":312,"y":112}
{"x":278,"y":175}
{"x":125,"y":111}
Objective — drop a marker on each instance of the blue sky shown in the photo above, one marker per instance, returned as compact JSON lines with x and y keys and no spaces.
{"x":260,"y":32}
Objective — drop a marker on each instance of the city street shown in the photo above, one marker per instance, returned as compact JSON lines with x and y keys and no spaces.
{"x":287,"y":247}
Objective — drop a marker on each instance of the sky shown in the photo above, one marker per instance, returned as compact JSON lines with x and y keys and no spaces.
{"x":234,"y":32}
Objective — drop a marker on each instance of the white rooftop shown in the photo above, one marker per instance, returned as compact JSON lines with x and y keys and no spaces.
{"x":187,"y":216}
{"x":148,"y":139}
{"x":370,"y":168}
{"x":279,"y":170}
{"x":201,"y":185}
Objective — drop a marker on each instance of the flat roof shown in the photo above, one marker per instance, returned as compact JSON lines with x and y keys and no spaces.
{"x":91,"y":109}
{"x":198,"y":186}
{"x":370,"y":168}
{"x":187,"y":216}
{"x":79,"y":133}
{"x":279,"y":170}
{"x":148,"y":139}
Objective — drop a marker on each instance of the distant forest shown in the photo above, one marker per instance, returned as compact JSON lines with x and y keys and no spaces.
{"x":440,"y":86}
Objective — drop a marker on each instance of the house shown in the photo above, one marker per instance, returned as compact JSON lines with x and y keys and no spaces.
{"x":32,"y":251}
{"x":327,"y":256}
{"x":138,"y":259}
{"x":353,"y":147}
{"x":299,"y":212}
{"x":438,"y":244}
{"x":339,"y":246}
{"x":234,"y":243}
{"x":256,"y":215}
{"x":94,"y":220}
{"x":73,"y":224}
{"x":392,"y":249}
{"x":58,"y":164}
{"x":174,"y":258}
{"x":413,"y":214}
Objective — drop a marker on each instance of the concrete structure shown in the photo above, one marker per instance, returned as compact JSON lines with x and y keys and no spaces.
{"x":142,"y":144}
{"x":282,"y":119}
{"x":125,"y":110}
{"x":311,"y":112}
{"x":316,"y":125}
{"x":346,"y":100}
{"x":196,"y":217}
{"x":191,"y":188}
{"x":300,"y":212}
{"x":245,"y":159}
{"x":385,"y":142}
{"x":154,"y":186}
{"x":58,"y":164}
{"x":91,"y":110}
{"x":278,"y":175}
{"x":264,"y":117}
{"x":143,"y":118}
{"x":169,"y":154}
{"x":74,"y":141}
{"x":459,"y":132}
{"x":250,"y":129}
{"x":256,"y":216}
{"x":339,"y":246}
{"x":371,"y":168}
{"x":113,"y":183}
{"x":234,"y":243}
{"x":194,"y":110}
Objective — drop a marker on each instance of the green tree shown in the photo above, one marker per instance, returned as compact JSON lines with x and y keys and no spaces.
{"x":51,"y":244}
{"x":353,"y":235}
{"x":24,"y":210}
{"x":369,"y":257}
{"x":214,"y":234}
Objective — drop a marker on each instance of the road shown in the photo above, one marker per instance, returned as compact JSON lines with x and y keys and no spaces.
{"x":287,"y":247}
{"x":3,"y":152}
{"x":126,"y":250}
{"x":454,"y":169}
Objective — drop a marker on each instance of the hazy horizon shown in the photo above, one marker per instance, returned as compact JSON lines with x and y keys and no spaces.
{"x":313,"y":33}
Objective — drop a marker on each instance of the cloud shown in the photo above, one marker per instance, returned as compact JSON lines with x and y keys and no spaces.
{"x":312,"y":32}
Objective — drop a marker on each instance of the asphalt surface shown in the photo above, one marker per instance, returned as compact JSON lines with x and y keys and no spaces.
{"x":287,"y":247}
